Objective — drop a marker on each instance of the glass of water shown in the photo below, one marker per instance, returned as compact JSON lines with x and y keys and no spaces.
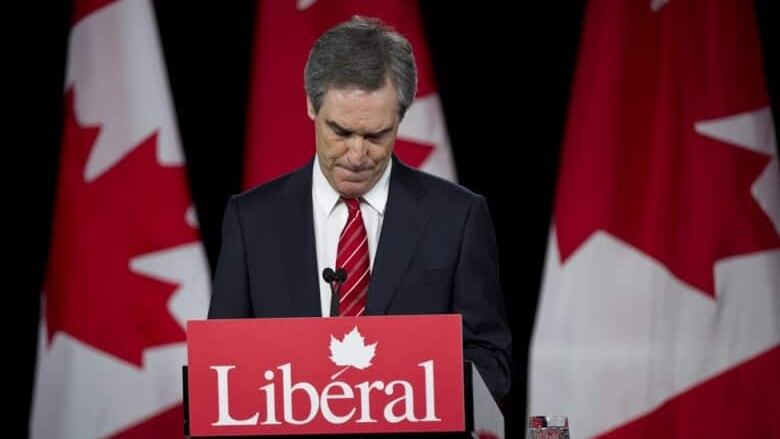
{"x":548,"y":427}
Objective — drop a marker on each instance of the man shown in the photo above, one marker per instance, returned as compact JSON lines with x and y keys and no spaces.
{"x":410,"y":243}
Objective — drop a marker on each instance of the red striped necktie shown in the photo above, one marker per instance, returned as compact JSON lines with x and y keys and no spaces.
{"x":353,"y":257}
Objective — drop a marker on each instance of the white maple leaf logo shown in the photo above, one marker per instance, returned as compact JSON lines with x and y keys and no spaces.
{"x":351,"y":351}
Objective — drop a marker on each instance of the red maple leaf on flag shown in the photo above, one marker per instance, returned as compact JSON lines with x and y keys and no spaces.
{"x":412,"y":153}
{"x":634,"y":164}
{"x":132,"y":209}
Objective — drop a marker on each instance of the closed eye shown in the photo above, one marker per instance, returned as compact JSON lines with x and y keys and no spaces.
{"x":338,"y":129}
{"x":379,"y":135}
{"x":344,"y":132}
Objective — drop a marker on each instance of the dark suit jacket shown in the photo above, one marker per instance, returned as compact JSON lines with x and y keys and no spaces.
{"x":436,"y":254}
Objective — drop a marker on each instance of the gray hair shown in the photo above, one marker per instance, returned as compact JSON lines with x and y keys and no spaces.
{"x":362,"y":53}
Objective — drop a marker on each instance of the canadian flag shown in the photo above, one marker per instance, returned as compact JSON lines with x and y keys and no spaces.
{"x":280,"y":135}
{"x":660,"y":308}
{"x":126,"y":265}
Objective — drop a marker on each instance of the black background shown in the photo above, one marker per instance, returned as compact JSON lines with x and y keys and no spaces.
{"x":504,"y":72}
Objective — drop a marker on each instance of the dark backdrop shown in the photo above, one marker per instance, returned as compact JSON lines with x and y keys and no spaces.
{"x":503,"y":70}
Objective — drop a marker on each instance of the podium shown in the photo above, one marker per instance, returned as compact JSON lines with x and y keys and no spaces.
{"x":376,"y":376}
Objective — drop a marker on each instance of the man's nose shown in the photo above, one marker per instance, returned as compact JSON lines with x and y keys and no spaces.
{"x":357,"y":146}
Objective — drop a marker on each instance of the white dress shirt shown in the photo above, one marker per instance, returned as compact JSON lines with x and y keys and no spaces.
{"x":330,"y":216}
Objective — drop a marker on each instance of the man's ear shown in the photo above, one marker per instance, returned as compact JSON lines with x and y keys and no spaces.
{"x":310,"y":109}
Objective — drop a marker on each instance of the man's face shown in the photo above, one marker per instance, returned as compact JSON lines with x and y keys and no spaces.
{"x":355,"y":132}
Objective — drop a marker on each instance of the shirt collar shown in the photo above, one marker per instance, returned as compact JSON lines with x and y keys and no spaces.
{"x":327,"y":198}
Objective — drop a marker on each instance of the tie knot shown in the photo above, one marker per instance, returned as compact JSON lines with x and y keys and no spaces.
{"x":352,"y":203}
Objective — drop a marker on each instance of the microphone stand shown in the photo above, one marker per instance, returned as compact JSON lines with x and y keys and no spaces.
{"x":335,"y":279}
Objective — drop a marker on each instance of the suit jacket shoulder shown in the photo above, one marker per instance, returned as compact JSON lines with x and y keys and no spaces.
{"x":267,"y":195}
{"x":430,"y":186}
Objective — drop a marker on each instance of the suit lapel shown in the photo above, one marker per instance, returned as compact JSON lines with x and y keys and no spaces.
{"x":298,"y":250}
{"x":405,"y":218}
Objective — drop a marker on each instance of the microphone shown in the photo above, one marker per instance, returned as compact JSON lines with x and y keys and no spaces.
{"x":328,"y":275}
{"x":335,"y":279}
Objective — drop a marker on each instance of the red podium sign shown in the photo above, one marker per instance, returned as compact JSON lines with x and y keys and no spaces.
{"x":325,"y":375}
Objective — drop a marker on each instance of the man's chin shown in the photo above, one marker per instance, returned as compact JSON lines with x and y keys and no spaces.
{"x":352,"y":189}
